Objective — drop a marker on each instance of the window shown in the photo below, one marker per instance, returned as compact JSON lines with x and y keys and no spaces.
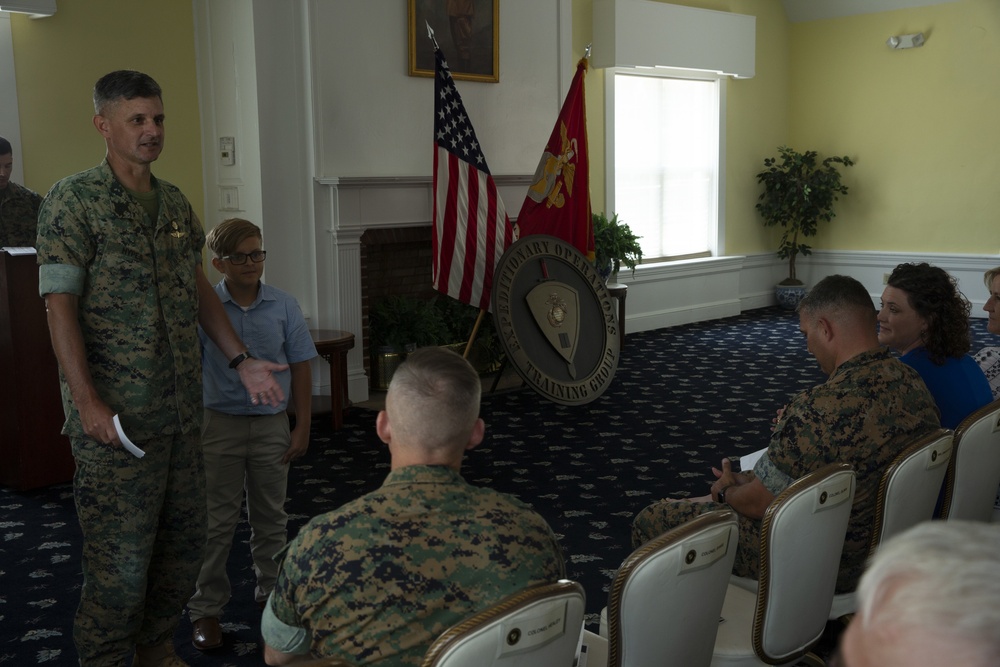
{"x":665,"y":160}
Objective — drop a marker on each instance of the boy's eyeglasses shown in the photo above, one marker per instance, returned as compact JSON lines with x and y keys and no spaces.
{"x":239,"y":258}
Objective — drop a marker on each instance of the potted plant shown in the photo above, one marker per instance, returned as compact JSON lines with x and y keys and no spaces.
{"x":405,"y":323}
{"x":400,"y":324}
{"x":459,"y":320}
{"x":397,"y":325}
{"x":614,"y":244}
{"x":799,"y":193}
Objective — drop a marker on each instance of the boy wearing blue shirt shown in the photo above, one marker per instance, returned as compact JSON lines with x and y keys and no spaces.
{"x":247,"y":445}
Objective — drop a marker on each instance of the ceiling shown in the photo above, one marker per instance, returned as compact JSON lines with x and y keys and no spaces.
{"x":811,"y":10}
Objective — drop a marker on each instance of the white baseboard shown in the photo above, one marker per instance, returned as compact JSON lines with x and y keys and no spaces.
{"x":699,"y":290}
{"x":683,"y":315}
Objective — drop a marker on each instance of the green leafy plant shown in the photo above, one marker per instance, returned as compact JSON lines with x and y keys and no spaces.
{"x":798,"y":194}
{"x":403,"y":323}
{"x":460,"y":319}
{"x":614,"y":244}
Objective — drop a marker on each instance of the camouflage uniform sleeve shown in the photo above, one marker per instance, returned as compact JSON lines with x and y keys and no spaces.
{"x":794,"y":444}
{"x":559,"y":557}
{"x":773,"y":478}
{"x":65,"y":245}
{"x":281,"y":626}
{"x":290,"y":577}
{"x":281,"y":636}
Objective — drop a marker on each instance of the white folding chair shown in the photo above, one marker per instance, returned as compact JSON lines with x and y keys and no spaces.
{"x":540,"y":626}
{"x":666,"y":598}
{"x":801,"y":539}
{"x":974,"y":471}
{"x":907,"y":493}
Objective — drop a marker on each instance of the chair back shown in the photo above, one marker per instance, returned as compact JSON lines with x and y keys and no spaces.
{"x":801,"y":539}
{"x":539,"y":626}
{"x":666,"y":598}
{"x":974,"y":471}
{"x":910,"y":486}
{"x":907,"y":495}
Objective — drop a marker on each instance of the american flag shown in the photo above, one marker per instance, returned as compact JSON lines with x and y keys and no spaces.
{"x":471,"y":229}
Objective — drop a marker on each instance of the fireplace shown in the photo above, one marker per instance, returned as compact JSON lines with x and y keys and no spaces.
{"x":394,"y":262}
{"x":363,"y":216}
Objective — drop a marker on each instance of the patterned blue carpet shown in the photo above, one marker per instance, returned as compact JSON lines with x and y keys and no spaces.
{"x":682,"y":399}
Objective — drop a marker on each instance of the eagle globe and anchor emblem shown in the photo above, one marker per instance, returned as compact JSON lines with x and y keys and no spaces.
{"x":555,"y":320}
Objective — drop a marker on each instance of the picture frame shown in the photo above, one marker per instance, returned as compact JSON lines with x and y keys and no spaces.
{"x":472,"y":24}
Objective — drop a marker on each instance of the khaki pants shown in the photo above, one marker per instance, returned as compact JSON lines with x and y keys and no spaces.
{"x":242,"y":457}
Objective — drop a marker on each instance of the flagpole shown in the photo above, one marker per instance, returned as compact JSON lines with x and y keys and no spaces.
{"x":430,"y":35}
{"x":475,"y":330}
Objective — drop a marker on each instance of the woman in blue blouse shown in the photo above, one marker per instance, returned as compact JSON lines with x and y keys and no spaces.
{"x":925,"y":318}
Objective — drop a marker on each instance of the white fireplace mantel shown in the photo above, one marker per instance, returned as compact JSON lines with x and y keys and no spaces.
{"x":348,"y":206}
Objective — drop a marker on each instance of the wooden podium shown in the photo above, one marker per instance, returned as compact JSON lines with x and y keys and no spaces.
{"x":33,"y":452}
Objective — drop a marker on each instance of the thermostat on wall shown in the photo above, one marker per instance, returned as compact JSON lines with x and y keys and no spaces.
{"x":227,"y":151}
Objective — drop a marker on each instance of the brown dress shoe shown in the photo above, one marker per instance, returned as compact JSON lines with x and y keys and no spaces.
{"x":206,"y":633}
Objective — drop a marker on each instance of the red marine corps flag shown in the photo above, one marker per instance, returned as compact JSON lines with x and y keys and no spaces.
{"x":471,"y":229}
{"x":558,"y":201}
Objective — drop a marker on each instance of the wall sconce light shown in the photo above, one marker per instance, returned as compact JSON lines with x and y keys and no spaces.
{"x":905,"y":41}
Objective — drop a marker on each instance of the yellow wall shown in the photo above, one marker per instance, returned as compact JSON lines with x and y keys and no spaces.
{"x":58,"y":60}
{"x":923,"y":125}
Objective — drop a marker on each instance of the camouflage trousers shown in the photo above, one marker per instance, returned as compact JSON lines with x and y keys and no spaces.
{"x":661,"y":516}
{"x":143,"y":523}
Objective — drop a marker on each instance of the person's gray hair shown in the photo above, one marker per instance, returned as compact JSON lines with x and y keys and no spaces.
{"x":123,"y":84}
{"x":939,"y":577}
{"x":989,"y":276}
{"x":434,"y":398}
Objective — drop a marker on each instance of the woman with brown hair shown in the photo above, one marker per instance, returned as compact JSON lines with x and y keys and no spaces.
{"x":925,"y":318}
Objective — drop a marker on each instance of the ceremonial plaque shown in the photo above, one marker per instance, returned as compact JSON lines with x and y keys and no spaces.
{"x":555,"y":320}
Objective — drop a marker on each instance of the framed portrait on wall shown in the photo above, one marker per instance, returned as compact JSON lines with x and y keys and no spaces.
{"x":468,"y":32}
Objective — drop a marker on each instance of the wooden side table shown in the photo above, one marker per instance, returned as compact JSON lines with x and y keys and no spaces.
{"x":333,"y":345}
{"x":619,"y":292}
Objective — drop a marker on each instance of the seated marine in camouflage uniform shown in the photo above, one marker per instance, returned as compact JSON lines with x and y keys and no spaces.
{"x":871,"y":407}
{"x":377,"y":580}
{"x":18,"y":205}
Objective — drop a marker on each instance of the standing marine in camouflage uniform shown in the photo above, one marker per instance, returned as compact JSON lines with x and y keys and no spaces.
{"x":119,"y":254}
{"x":380,"y":578}
{"x":868,"y":411}
{"x":18,"y":205}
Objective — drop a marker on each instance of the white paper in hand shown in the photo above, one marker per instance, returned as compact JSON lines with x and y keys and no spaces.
{"x":129,"y":445}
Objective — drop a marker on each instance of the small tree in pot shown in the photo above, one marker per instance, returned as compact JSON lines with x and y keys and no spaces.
{"x":798,"y":194}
